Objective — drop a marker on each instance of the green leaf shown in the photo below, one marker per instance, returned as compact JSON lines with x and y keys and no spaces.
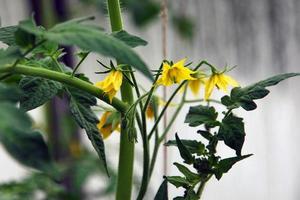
{"x":25,"y":145}
{"x":37,"y":91}
{"x":130,"y":40}
{"x":199,"y":115}
{"x":9,"y":93}
{"x":225,"y":165}
{"x":80,"y":107}
{"x":90,"y":38}
{"x":7,"y":35}
{"x":193,"y":146}
{"x":24,"y":39}
{"x":243,"y":97}
{"x":184,"y":152}
{"x":9,"y":56}
{"x":162,"y":193}
{"x":232,"y":131}
{"x":178,"y":181}
{"x":191,"y":177}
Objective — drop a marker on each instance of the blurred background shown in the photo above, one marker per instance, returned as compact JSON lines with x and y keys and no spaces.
{"x":261,"y":37}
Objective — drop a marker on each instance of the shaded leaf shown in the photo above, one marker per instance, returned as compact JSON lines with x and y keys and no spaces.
{"x":25,"y":145}
{"x":199,"y":115}
{"x":192,"y":177}
{"x":193,"y":146}
{"x":232,"y":131}
{"x":80,"y":107}
{"x":130,"y":40}
{"x":37,"y":91}
{"x":244,"y":97}
{"x":178,"y":181}
{"x":9,"y":55}
{"x":90,"y":38}
{"x":162,"y":193}
{"x":184,"y":152}
{"x":225,"y":165}
{"x":7,"y":35}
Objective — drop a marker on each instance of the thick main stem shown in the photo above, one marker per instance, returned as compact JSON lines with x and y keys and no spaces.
{"x":126,"y":155}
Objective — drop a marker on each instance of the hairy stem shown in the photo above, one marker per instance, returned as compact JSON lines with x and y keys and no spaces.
{"x":66,"y":79}
{"x":126,"y":155}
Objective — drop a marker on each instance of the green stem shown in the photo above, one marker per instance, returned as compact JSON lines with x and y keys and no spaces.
{"x":126,"y":155}
{"x":202,"y":186}
{"x":79,"y":63}
{"x":66,"y":79}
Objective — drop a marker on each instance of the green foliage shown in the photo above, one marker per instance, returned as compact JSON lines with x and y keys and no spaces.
{"x":225,"y":165}
{"x":130,"y":40}
{"x":178,"y":181}
{"x":244,"y":97}
{"x":9,"y":55}
{"x":193,"y":146}
{"x":190,"y":176}
{"x":162,"y":193}
{"x":26,"y":145}
{"x":184,"y":152}
{"x":232,"y":131}
{"x":7,"y":35}
{"x":199,"y":115}
{"x":80,"y":107}
{"x":183,"y":25}
{"x":89,"y":38}
{"x":37,"y":91}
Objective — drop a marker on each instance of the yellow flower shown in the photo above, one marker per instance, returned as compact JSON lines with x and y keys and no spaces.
{"x":175,"y":73}
{"x":111,"y":84}
{"x":106,"y":128}
{"x":195,"y":85}
{"x":221,"y":81}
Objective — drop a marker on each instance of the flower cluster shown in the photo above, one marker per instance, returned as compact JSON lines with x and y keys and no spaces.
{"x":178,"y":72}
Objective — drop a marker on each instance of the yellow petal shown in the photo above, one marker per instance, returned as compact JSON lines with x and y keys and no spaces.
{"x":118,"y":80}
{"x":221,"y":82}
{"x":195,"y":86}
{"x":209,"y":86}
{"x":180,"y":63}
{"x":231,"y":81}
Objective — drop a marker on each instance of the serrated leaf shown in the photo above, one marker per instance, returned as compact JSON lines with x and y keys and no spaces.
{"x":244,"y":97}
{"x":90,"y":38}
{"x":178,"y":181}
{"x":225,"y":165}
{"x":80,"y":107}
{"x":191,"y":177}
{"x":232,"y":131}
{"x":184,"y":152}
{"x":193,"y":146}
{"x":130,"y":40}
{"x":37,"y":91}
{"x":199,"y":115}
{"x":162,"y":193}
{"x":7,"y":35}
